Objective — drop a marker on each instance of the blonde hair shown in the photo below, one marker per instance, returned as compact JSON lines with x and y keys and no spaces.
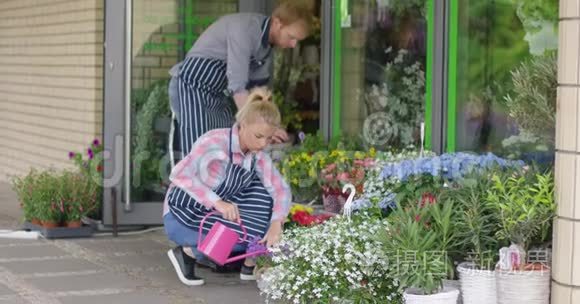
{"x":259,"y":106}
{"x":291,"y":11}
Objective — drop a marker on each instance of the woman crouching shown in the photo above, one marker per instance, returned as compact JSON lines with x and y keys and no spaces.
{"x":228,"y":171}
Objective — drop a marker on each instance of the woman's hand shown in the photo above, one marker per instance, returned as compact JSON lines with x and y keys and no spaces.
{"x":229,"y":211}
{"x":280,"y":136}
{"x":273,"y":235}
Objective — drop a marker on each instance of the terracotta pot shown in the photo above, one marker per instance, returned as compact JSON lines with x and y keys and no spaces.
{"x":74,"y":224}
{"x":36,"y":222}
{"x":49,"y":224}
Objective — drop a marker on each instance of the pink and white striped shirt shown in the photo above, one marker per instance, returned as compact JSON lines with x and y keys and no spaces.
{"x":203,"y":169}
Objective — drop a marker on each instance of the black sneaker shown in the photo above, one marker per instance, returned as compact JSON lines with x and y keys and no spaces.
{"x":184,"y":267}
{"x":247,"y":273}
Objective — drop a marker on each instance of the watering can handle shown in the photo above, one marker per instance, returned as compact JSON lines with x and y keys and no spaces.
{"x":215,"y":212}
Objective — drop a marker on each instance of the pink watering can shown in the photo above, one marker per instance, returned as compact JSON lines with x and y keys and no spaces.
{"x":220,"y":241}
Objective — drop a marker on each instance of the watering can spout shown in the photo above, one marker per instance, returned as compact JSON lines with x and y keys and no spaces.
{"x":243,"y":256}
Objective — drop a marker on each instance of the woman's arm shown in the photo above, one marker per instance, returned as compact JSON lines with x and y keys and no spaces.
{"x":196,"y":173}
{"x":275,"y":185}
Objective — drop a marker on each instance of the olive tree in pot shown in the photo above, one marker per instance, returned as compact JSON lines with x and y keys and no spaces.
{"x":524,"y":203}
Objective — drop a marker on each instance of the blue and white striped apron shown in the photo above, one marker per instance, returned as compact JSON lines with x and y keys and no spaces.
{"x":241,"y":187}
{"x":203,"y":105}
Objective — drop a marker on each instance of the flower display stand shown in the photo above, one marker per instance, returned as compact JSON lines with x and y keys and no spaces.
{"x":60,"y":232}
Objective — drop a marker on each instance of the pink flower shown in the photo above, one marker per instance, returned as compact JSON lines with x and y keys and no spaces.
{"x":330,"y":167}
{"x":369,"y":162}
{"x":343,"y":176}
{"x":359,"y":162}
{"x":329,"y":177}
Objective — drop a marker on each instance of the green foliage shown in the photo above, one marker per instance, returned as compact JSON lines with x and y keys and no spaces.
{"x":476,"y":223}
{"x":533,"y":12}
{"x":400,"y":102}
{"x":413,"y":190}
{"x":289,"y":111}
{"x":403,"y":7}
{"x":525,"y":207}
{"x":532,"y":102}
{"x":56,"y":196}
{"x":491,"y":43}
{"x":149,"y":104}
{"x":420,"y":237}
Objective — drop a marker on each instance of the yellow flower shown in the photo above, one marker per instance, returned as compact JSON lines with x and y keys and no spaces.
{"x":358,"y":155}
{"x":311,"y":172}
{"x":372,"y":152}
{"x":295,"y":181}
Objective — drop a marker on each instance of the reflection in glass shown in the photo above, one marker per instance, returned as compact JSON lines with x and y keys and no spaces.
{"x":506,"y":78}
{"x":383,"y":72}
{"x":163,"y":31}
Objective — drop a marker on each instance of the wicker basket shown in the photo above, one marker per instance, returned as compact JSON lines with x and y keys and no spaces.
{"x":448,"y":295}
{"x":523,"y":287}
{"x":477,"y":286}
{"x":333,"y":201}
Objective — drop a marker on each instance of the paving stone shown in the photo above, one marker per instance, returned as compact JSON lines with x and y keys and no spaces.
{"x":12,"y":299}
{"x":141,"y":261}
{"x":108,"y":247}
{"x":4,"y":290}
{"x":62,"y":265}
{"x":136,"y":297}
{"x":83,"y":282}
{"x":46,"y":250}
{"x":16,"y":242}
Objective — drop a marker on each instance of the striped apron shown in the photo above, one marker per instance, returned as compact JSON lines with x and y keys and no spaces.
{"x":203,"y":105}
{"x":241,"y":187}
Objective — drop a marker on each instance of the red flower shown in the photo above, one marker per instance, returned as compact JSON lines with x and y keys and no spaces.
{"x":417,"y":218}
{"x":427,"y":198}
{"x":99,"y":168}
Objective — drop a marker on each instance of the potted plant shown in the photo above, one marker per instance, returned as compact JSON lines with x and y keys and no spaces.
{"x":419,"y":236}
{"x":338,"y":261}
{"x":524,"y":203}
{"x":24,"y":186}
{"x":476,"y":228}
{"x":88,"y":179}
{"x":343,"y":167}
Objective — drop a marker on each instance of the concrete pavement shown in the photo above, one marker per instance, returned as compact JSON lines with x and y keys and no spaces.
{"x":102,"y":269}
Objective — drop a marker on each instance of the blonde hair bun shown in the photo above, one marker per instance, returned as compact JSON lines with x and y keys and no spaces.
{"x":260,"y":94}
{"x":259,"y":107}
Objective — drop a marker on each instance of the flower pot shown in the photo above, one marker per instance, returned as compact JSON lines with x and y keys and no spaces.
{"x":477,"y":286}
{"x":454,"y":284}
{"x":523,"y":287}
{"x":36,"y":221}
{"x":49,"y":224}
{"x":74,"y":224}
{"x":333,"y":201}
{"x":448,"y":295}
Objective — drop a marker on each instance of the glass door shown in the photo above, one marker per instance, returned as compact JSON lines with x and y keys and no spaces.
{"x":157,"y":34}
{"x":379,"y":71}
